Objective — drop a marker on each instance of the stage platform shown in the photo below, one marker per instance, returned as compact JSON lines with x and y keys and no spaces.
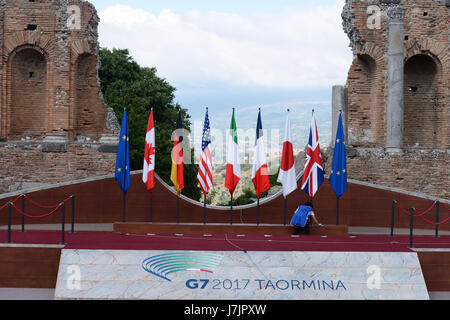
{"x":215,"y":228}
{"x":33,"y":259}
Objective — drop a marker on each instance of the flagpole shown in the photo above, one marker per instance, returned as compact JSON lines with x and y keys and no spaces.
{"x":285,"y":198}
{"x":178,"y":209}
{"x":337,"y":218}
{"x":231,"y":210}
{"x":124,"y":207}
{"x":285,"y":211}
{"x":204,"y":211}
{"x":151,"y":209}
{"x":258,"y":213}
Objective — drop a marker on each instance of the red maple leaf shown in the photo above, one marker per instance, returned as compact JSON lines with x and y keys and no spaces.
{"x":149,"y":152}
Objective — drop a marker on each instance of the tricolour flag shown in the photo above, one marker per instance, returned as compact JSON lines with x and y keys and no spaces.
{"x":313,"y":175}
{"x":148,"y":176}
{"x":260,"y":172}
{"x":177,"y":174}
{"x":204,"y":177}
{"x":338,"y":178}
{"x":123,"y":156}
{"x":287,"y":176}
{"x":233,"y":175}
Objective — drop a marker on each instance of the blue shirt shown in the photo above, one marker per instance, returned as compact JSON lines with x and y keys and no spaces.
{"x":301,"y":216}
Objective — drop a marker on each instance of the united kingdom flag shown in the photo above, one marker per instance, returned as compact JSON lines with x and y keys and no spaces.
{"x":313,"y":175}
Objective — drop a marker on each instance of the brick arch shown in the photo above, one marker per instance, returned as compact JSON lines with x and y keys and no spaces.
{"x":88,"y":111}
{"x":372,"y":50}
{"x":27,"y":98}
{"x":428,"y":46}
{"x":364,"y":96}
{"x":29,"y":38}
{"x":13,"y":45}
{"x":81,"y":47}
{"x":424,"y":104}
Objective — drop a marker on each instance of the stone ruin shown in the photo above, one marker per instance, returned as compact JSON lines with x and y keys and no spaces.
{"x":54,"y":124}
{"x":395,"y":103}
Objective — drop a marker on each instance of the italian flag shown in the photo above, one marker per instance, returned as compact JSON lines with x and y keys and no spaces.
{"x":233,"y":163}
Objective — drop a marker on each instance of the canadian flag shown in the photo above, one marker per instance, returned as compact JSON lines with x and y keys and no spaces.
{"x":260,"y":174}
{"x":148,"y":176}
{"x":287,"y":176}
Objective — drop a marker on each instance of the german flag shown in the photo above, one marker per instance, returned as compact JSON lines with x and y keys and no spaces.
{"x":177,"y":176}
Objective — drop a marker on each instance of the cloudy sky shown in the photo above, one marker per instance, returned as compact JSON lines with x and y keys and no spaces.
{"x":243,"y":54}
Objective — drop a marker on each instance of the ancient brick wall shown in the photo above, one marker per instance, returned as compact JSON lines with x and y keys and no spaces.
{"x":24,"y":165}
{"x":54,"y":124}
{"x":423,"y":164}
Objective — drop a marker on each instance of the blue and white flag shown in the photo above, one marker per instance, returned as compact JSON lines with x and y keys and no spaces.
{"x":123,"y":156}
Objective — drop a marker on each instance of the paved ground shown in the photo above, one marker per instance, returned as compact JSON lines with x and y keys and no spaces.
{"x":109,"y":227}
{"x":48,"y":294}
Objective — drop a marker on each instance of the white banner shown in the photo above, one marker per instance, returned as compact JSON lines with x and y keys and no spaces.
{"x":186,"y":275}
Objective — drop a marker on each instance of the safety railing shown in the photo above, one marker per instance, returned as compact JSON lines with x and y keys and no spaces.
{"x":11,"y":206}
{"x":412,"y":213}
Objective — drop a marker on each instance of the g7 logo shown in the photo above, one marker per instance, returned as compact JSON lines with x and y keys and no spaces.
{"x":197,"y":284}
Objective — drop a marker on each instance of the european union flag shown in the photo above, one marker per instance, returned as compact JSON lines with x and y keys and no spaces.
{"x":338,"y":178}
{"x":123,"y":156}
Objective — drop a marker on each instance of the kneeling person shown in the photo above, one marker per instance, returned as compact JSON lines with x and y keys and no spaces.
{"x":301,"y":218}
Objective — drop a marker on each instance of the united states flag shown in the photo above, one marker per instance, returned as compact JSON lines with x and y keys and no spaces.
{"x":313,"y":175}
{"x":204,"y":177}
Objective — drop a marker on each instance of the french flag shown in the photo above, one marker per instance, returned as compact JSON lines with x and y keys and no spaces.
{"x":313,"y":175}
{"x":260,"y":173}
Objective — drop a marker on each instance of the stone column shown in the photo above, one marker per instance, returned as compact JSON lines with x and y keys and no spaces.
{"x":395,"y":81}
{"x":339,"y":104}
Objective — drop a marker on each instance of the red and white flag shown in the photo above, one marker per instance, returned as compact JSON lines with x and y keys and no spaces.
{"x":205,"y":178}
{"x":287,"y":176}
{"x":260,"y":174}
{"x":148,"y":176}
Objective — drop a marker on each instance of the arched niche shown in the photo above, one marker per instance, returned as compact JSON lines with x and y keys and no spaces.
{"x":28,"y":93}
{"x":363,"y":100}
{"x":423,"y":110}
{"x":86,"y":93}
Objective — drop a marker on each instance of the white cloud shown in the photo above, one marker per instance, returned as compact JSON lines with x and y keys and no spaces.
{"x":289,"y":50}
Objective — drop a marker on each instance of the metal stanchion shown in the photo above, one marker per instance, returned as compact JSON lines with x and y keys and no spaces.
{"x":72,"y":231}
{"x":23,"y":210}
{"x":438,"y":205}
{"x":9,"y":222}
{"x":411,"y":231}
{"x":393,"y":218}
{"x":63,"y":223}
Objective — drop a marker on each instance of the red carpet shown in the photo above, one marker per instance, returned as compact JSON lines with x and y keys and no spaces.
{"x":112,"y":241}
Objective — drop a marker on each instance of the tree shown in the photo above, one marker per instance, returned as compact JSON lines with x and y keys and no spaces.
{"x":125,"y":84}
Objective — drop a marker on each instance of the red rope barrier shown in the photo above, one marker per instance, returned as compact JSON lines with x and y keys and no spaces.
{"x":1,"y":208}
{"x":424,"y":213}
{"x":46,"y":207}
{"x":417,"y":215}
{"x":36,"y":217}
{"x":434,"y":223}
{"x":444,"y":206}
{"x":401,"y":209}
{"x":14,"y":201}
